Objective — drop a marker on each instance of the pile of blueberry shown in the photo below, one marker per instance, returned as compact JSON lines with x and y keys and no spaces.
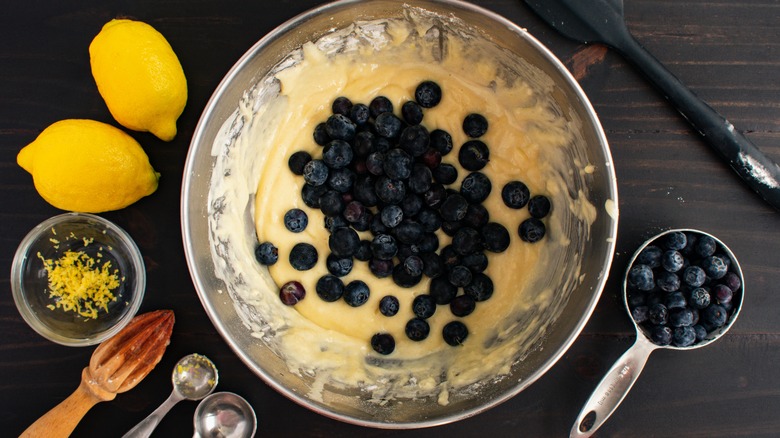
{"x":383,"y":173}
{"x":681,"y":288}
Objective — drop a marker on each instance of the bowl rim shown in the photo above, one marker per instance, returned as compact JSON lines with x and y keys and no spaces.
{"x":199,"y":136}
{"x":21,"y":256}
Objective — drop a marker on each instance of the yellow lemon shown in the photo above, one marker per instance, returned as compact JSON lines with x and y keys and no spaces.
{"x":88,"y":166}
{"x":139,"y":77}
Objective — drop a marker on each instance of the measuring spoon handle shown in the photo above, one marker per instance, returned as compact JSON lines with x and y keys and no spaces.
{"x":147,"y":425}
{"x":613,"y":388}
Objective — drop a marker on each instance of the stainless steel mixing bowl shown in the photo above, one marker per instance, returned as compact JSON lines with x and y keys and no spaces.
{"x":591,"y":246}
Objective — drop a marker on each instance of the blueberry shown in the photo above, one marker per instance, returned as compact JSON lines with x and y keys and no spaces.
{"x":297,"y":161}
{"x":359,"y":114}
{"x":354,"y":211}
{"x":681,"y":317}
{"x":701,"y":332}
{"x":363,"y":252}
{"x":390,"y":191}
{"x":391,"y":216}
{"x":266,"y":253}
{"x":531,"y":230}
{"x":428,"y":94}
{"x":341,"y":180}
{"x":732,"y":281}
{"x":341,"y":105}
{"x":379,"y":105}
{"x":705,"y":246}
{"x":417,"y":329}
{"x":421,"y":179}
{"x":445,"y":173}
{"x":454,"y":208}
{"x":515,"y":194}
{"x":658,"y":314}
{"x":431,"y":158}
{"x":496,"y":237}
{"x":449,"y":257}
{"x":715,"y":267}
{"x":683,"y":336}
{"x":460,"y":276}
{"x":700,"y":298}
{"x":442,"y":290}
{"x":539,"y":206}
{"x":384,"y":247}
{"x":413,"y":265}
{"x":414,"y":140}
{"x":303,"y":256}
{"x":476,"y":217}
{"x":296,"y":220}
{"x":321,"y":136}
{"x":412,"y":113}
{"x":375,"y":163}
{"x":661,"y":335}
{"x":381,"y":268}
{"x":292,"y":292}
{"x":475,"y":187}
{"x":450,"y":228}
{"x":403,"y":278}
{"x":340,"y":127}
{"x":397,"y":164}
{"x":722,"y":293}
{"x":329,"y":288}
{"x":476,"y":262}
{"x":675,"y":240}
{"x":675,"y":300}
{"x":311,"y":195}
{"x":315,"y":172}
{"x":383,"y":343}
{"x":480,"y":288}
{"x":364,"y":144}
{"x":364,"y":191}
{"x":639,"y":313}
{"x":441,"y":141}
{"x":667,"y":281}
{"x":337,"y":154}
{"x":475,"y":125}
{"x":428,"y":243}
{"x":454,"y":333}
{"x":467,"y":241}
{"x":412,"y":204}
{"x":429,"y":220}
{"x":389,"y":305}
{"x":424,"y":306}
{"x":691,"y":240}
{"x":462,"y":305}
{"x":331,"y":203}
{"x":435,"y":196}
{"x":650,"y":256}
{"x":473,"y":155}
{"x":672,"y":260}
{"x":432,"y":264}
{"x":694,"y":276}
{"x":344,"y":242}
{"x":356,"y":293}
{"x":388,"y":125}
{"x":338,"y":266}
{"x":641,"y":277}
{"x":334,"y":222}
{"x":409,"y":232}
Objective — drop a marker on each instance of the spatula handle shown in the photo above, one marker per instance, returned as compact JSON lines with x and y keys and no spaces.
{"x":63,"y":418}
{"x":759,"y":171}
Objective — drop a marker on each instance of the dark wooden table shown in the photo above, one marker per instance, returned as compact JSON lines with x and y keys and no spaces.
{"x":728,"y":52}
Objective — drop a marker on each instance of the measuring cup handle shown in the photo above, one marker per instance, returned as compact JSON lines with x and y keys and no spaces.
{"x":613,"y":388}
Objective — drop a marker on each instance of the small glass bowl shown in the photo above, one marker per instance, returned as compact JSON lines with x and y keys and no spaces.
{"x":101,"y":240}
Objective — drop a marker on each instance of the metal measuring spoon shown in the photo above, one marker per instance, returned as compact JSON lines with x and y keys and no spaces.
{"x":615,"y":385}
{"x":224,"y":415}
{"x":194,"y":377}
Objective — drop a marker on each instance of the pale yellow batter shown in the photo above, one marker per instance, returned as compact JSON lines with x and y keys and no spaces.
{"x":527,"y":138}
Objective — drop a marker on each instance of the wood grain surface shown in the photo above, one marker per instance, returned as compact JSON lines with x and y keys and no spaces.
{"x":728,"y":52}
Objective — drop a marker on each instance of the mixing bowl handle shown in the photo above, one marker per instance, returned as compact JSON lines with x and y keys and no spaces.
{"x":613,"y":388}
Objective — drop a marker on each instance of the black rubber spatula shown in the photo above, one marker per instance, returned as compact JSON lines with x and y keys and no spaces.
{"x":601,"y":21}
